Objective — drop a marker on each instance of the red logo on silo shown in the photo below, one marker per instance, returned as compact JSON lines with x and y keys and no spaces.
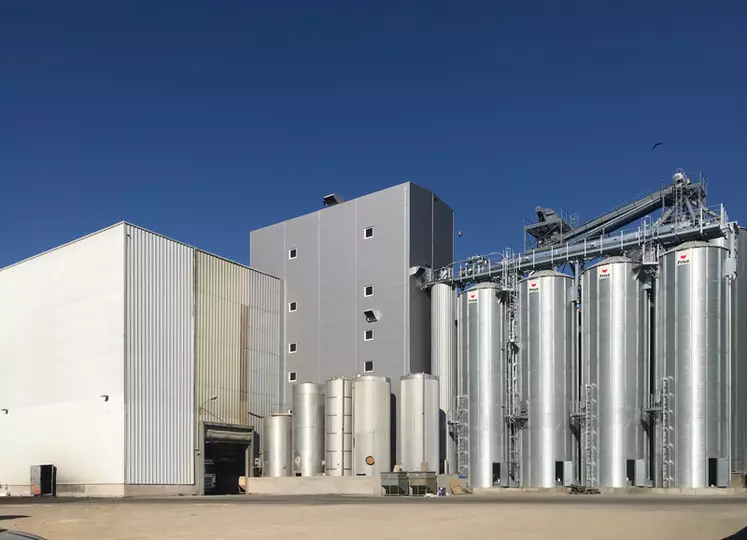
{"x":534,"y":286}
{"x":684,"y":258}
{"x":604,"y":272}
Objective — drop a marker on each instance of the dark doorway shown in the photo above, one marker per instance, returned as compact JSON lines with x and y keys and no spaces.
{"x":630,"y":471}
{"x":712,"y":472}
{"x":559,"y":473}
{"x":225,"y":462}
{"x":496,"y":474}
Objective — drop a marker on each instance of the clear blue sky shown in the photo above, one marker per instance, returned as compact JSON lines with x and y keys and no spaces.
{"x":205,"y":120}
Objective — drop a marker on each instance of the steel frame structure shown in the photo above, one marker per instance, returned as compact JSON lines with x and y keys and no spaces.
{"x":685,"y":217}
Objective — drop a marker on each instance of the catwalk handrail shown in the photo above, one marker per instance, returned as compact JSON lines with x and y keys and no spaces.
{"x":489,"y":267}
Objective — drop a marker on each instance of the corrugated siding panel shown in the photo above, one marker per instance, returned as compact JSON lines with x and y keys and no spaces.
{"x":159,"y":365}
{"x":265,"y":314}
{"x":237,"y":338}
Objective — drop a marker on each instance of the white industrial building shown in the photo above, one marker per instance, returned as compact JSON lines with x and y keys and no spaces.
{"x":136,"y":365}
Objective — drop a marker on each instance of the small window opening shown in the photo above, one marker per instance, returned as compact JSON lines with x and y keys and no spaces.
{"x":370,"y":316}
{"x":292,"y":376}
{"x":368,"y":335}
{"x":292,"y":347}
{"x":368,"y":232}
{"x":292,"y":307}
{"x":292,"y":253}
{"x":368,"y":366}
{"x":368,"y":291}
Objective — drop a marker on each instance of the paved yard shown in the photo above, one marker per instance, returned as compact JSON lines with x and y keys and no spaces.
{"x":331,"y":518}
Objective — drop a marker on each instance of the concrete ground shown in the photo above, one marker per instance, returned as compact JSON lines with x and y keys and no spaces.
{"x":515,"y":516}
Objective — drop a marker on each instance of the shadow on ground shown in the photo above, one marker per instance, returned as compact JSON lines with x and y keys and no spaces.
{"x":739,"y":535}
{"x":3,"y":518}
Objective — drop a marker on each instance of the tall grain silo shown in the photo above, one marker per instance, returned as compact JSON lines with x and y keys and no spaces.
{"x":739,"y":358}
{"x":444,"y":366}
{"x":372,"y":423}
{"x":308,"y":429}
{"x":549,"y":378}
{"x":693,"y":366}
{"x":483,"y":342}
{"x":616,"y":310}
{"x":338,"y":427}
{"x":418,"y":429}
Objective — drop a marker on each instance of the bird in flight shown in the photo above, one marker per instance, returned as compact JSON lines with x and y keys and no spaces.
{"x":654,"y":147}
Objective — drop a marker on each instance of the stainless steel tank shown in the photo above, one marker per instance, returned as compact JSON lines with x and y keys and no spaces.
{"x":692,"y":352}
{"x":483,"y":342}
{"x":308,"y":429}
{"x":418,"y":439}
{"x":444,"y":365}
{"x":615,"y":359}
{"x":338,"y":427}
{"x":549,"y":378}
{"x":372,"y":437}
{"x":277,"y":445}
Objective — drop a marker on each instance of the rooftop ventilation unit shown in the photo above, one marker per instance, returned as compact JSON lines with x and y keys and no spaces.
{"x":333,"y":199}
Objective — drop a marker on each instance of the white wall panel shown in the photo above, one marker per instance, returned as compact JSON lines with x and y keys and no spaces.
{"x":61,"y":350}
{"x":159,"y":365}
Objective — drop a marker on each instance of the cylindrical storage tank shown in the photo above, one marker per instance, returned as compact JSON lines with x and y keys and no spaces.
{"x":482,"y":338}
{"x":418,"y":441}
{"x":549,"y":378}
{"x":444,"y":365}
{"x":372,"y":437}
{"x":308,"y":429}
{"x":692,"y":322}
{"x":338,"y":427}
{"x":615,"y":361}
{"x":739,"y":358}
{"x":277,"y":445}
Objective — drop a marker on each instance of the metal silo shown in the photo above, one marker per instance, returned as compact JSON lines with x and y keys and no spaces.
{"x":308,"y":429}
{"x":372,"y":435}
{"x":418,"y":439}
{"x":548,"y":378}
{"x":444,"y":365}
{"x":692,"y":352}
{"x":615,"y":360}
{"x":739,"y":358}
{"x":338,"y":430}
{"x":277,"y":445}
{"x":482,"y":338}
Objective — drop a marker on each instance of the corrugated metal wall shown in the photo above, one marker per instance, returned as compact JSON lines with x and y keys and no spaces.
{"x":237,"y":337}
{"x":159,"y":360}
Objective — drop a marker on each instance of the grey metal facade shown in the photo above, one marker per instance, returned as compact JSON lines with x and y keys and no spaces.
{"x":159,"y":360}
{"x":334,"y":263}
{"x":236,"y":341}
{"x":692,"y":352}
{"x":418,"y":430}
{"x":444,"y":365}
{"x":615,"y":353}
{"x":483,"y":337}
{"x":308,"y":429}
{"x":549,"y":376}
